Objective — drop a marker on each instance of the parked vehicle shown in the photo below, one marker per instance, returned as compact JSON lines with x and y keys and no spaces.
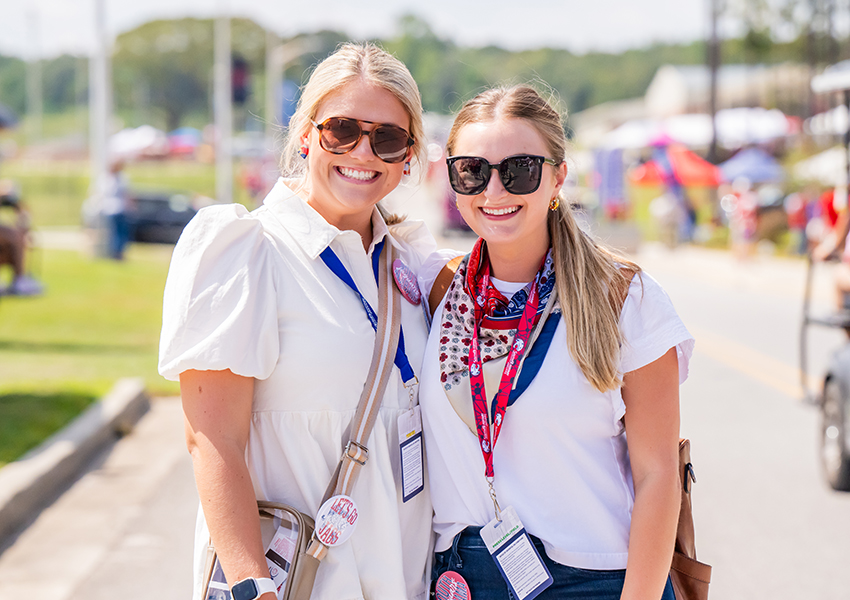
{"x":159,"y":217}
{"x":833,"y":398}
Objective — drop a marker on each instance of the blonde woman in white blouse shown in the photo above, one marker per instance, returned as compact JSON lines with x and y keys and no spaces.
{"x":272,"y":348}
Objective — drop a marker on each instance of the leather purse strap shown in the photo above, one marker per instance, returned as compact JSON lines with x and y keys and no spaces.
{"x":355,"y":452}
{"x":442,"y":283}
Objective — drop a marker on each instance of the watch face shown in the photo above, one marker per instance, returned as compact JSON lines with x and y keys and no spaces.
{"x":245,"y":590}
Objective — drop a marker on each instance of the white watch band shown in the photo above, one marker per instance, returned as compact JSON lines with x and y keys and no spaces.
{"x":265,"y":585}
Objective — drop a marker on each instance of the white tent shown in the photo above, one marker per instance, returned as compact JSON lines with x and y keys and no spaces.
{"x":141,"y":141}
{"x":736,"y":127}
{"x":831,"y":122}
{"x":828,"y":168}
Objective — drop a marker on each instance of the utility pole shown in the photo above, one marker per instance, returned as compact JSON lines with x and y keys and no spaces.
{"x":713,"y":66}
{"x":100,"y":113}
{"x":35,"y":92}
{"x":223,"y":107}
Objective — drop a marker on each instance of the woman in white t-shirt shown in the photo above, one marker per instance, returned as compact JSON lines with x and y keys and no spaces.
{"x":272,"y":347}
{"x":558,"y":419}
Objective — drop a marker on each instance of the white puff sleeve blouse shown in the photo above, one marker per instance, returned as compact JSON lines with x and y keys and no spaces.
{"x":219,"y":309}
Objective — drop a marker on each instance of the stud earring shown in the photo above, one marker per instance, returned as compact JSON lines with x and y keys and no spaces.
{"x":305,"y":150}
{"x":554,"y":203}
{"x":406,"y":168}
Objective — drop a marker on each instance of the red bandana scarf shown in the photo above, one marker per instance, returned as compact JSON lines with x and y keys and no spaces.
{"x":501,"y":316}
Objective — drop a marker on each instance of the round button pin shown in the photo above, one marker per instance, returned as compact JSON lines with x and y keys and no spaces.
{"x":336,"y":520}
{"x":452,"y":586}
{"x":406,"y":282}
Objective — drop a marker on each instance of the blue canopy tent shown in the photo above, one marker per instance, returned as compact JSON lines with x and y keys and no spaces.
{"x":756,"y":165}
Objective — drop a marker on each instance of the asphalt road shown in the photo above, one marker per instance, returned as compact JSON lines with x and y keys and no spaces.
{"x":764,"y":518}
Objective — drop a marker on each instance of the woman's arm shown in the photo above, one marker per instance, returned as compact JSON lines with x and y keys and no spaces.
{"x":217,"y":410}
{"x":651,"y":395}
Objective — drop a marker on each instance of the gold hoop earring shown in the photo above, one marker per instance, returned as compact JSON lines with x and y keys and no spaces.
{"x":554,"y":203}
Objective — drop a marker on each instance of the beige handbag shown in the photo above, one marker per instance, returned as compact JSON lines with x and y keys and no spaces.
{"x":308,"y":549}
{"x":302,"y":569}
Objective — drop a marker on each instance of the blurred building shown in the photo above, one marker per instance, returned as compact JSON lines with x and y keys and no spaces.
{"x":678,"y":90}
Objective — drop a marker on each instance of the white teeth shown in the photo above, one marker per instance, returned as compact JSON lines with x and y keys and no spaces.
{"x":496,"y":212}
{"x":357,"y":173}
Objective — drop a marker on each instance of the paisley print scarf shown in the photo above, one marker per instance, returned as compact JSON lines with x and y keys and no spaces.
{"x":500,"y":321}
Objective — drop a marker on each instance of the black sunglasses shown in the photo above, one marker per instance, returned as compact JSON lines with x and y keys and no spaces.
{"x":340,"y":135}
{"x":520,"y":174}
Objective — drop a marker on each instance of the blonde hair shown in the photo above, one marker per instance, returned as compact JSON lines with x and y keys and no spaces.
{"x":591,"y":279}
{"x":349,"y":63}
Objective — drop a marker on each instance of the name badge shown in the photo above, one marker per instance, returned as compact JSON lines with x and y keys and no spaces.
{"x":515,"y":556}
{"x":410,"y":447}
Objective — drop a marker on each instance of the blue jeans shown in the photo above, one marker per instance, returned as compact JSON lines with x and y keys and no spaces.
{"x":119,"y":235}
{"x":469,"y":557}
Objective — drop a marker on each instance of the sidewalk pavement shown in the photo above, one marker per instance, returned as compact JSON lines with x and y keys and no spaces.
{"x":35,"y":480}
{"x":123,"y":530}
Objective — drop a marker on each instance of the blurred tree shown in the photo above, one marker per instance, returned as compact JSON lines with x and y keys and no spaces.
{"x":171,"y":61}
{"x":12,"y":88}
{"x":324,"y":43}
{"x":162,"y":70}
{"x":60,"y":82}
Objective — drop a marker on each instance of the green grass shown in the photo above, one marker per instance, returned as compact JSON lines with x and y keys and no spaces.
{"x":28,"y":418}
{"x":97,"y":322}
{"x":54,"y":190}
{"x":73,"y":122}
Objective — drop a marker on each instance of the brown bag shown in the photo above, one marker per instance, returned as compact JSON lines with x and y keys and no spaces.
{"x":690,"y":577}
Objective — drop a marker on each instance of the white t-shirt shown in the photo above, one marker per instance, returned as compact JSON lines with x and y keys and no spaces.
{"x":561,"y":459}
{"x":248,"y":292}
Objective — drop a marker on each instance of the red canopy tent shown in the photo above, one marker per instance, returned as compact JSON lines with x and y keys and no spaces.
{"x":688,"y":167}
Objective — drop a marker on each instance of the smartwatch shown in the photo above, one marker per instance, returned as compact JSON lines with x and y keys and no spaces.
{"x":251,"y":588}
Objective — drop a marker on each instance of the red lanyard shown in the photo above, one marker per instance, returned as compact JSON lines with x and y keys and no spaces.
{"x":476,"y":373}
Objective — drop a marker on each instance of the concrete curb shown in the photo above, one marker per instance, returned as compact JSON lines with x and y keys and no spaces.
{"x":31,"y":483}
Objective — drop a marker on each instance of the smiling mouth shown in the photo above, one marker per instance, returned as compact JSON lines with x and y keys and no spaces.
{"x":357,"y":174}
{"x":499,"y":212}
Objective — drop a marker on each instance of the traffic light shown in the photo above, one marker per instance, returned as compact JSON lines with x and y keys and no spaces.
{"x":240,"y":80}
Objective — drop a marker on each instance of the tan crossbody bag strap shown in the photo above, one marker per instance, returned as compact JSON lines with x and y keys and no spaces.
{"x":355,"y":452}
{"x":442,"y":283}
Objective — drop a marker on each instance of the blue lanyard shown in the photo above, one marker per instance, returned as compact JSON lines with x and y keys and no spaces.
{"x":335,"y":265}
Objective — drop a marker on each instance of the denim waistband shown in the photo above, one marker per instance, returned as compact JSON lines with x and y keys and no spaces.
{"x":471,"y":538}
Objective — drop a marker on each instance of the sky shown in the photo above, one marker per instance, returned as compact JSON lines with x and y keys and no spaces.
{"x":47,"y":28}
